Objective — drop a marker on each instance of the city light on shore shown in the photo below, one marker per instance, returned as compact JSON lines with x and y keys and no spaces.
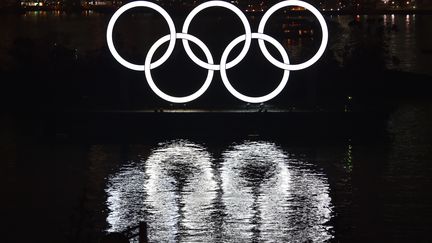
{"x":249,"y":6}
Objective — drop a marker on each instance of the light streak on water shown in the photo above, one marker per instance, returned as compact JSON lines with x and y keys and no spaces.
{"x":254,"y":191}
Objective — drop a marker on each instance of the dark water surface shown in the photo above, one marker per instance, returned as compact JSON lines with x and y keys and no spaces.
{"x":224,"y":190}
{"x":406,"y":38}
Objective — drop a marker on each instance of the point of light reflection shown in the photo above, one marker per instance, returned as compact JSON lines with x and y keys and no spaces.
{"x":254,"y":192}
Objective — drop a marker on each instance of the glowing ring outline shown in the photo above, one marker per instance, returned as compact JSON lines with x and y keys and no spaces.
{"x":247,"y":37}
{"x":243,"y":97}
{"x":114,"y":19}
{"x":324,"y":41}
{"x":238,"y":12}
{"x":165,"y":96}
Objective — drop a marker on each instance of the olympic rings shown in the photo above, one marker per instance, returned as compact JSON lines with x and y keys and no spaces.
{"x":242,"y":17}
{"x":158,"y":9}
{"x":209,"y":65}
{"x":321,"y":49}
{"x":153,"y":86}
{"x":237,"y":94}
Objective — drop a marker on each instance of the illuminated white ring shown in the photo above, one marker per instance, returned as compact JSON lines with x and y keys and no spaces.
{"x":114,"y":19}
{"x":167,"y":97}
{"x":243,"y":19}
{"x":237,"y":94}
{"x":321,"y":49}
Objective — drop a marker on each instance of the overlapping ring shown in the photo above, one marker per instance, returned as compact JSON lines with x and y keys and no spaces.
{"x":224,"y":65}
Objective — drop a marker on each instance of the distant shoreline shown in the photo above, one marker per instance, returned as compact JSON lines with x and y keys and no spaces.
{"x":109,"y":9}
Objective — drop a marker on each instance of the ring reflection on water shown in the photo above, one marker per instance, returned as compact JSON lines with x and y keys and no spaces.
{"x":172,"y":191}
{"x":254,"y":192}
{"x":269,"y":197}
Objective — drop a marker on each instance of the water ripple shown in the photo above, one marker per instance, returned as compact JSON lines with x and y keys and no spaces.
{"x":254,"y":192}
